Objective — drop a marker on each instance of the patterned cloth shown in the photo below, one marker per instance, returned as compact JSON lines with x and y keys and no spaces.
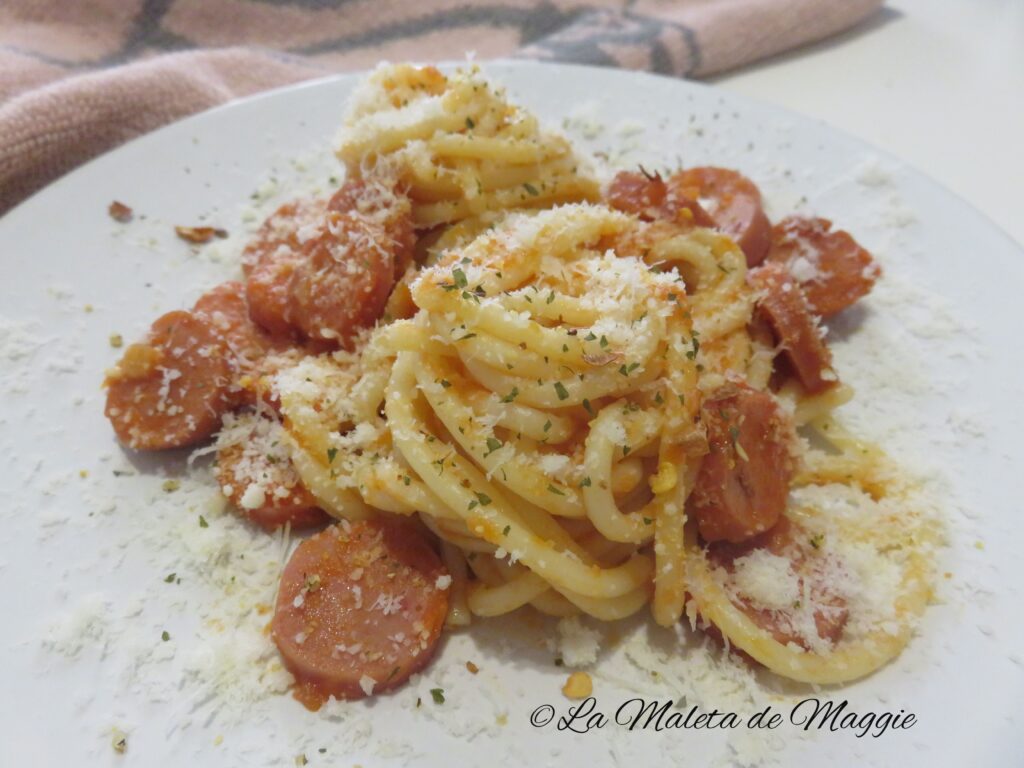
{"x":78,"y":78}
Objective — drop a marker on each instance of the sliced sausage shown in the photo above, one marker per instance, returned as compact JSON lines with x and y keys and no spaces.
{"x":344,"y":283}
{"x":254,"y":354}
{"x":268,"y":291}
{"x":170,"y":390}
{"x":830,"y":266}
{"x":648,"y":197}
{"x":282,"y":229}
{"x":734,"y":202}
{"x":360,"y":609}
{"x":255,"y":471}
{"x":743,"y":482}
{"x":269,"y":260}
{"x":790,"y":541}
{"x":638,"y":193}
{"x":385,"y":204}
{"x":227,"y":311}
{"x":783,"y":305}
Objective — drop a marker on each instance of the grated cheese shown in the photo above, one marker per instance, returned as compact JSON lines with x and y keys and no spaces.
{"x":578,"y":643}
{"x":367,"y":683}
{"x":767,"y":579}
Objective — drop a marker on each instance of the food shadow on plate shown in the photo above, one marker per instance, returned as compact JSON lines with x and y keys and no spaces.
{"x":173,"y":463}
{"x":847,"y":323}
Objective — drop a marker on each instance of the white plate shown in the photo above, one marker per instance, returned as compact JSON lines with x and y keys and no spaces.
{"x":83,"y":599}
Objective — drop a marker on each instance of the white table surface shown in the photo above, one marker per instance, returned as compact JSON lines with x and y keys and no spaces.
{"x":939,"y":83}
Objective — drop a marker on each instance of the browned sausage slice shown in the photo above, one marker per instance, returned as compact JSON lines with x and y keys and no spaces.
{"x":734,"y":202}
{"x":170,"y":390}
{"x":743,"y":482}
{"x":386,"y":205}
{"x":832,"y":268}
{"x":268,"y":291}
{"x":783,"y":305}
{"x":254,"y":354}
{"x":360,"y":609}
{"x":281,"y":228}
{"x":227,"y":311}
{"x":638,"y":193}
{"x":269,"y":260}
{"x":790,"y":541}
{"x":343,"y":285}
{"x":648,"y":197}
{"x":255,"y":471}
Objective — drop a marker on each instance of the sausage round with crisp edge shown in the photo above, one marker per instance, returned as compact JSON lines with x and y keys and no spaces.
{"x":360,"y":609}
{"x":831,"y":267}
{"x":782,"y":304}
{"x":734,"y":202}
{"x":789,"y":540}
{"x":266,"y":487}
{"x":271,"y":257}
{"x":743,"y":481}
{"x":650,"y":198}
{"x":170,"y":390}
{"x":343,"y":285}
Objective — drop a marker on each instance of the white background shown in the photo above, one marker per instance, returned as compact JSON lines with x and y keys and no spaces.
{"x":939,"y":83}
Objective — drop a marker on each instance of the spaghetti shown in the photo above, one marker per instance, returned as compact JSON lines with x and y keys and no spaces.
{"x":540,"y":413}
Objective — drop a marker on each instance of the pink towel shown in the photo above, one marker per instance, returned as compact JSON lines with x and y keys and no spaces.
{"x":77,"y":79}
